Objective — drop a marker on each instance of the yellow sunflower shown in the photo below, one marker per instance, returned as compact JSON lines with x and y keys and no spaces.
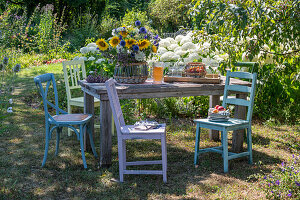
{"x":154,"y":49}
{"x":143,"y":44}
{"x":102,"y":44}
{"x":124,"y":33}
{"x":114,"y":41}
{"x":130,"y":42}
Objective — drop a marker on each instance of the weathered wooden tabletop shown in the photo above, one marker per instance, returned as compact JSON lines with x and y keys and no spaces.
{"x":149,"y":90}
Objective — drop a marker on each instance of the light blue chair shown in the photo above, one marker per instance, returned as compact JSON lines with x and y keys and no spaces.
{"x":231,"y":124}
{"x":64,"y":119}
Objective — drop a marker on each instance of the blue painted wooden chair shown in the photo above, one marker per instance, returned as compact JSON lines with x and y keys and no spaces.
{"x":62,"y":118}
{"x":231,"y":124}
{"x":128,"y":132}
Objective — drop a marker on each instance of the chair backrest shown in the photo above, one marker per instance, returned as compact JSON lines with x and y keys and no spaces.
{"x":48,"y":79}
{"x":115,"y":104}
{"x":250,"y":66}
{"x":240,"y":88}
{"x":73,"y":71}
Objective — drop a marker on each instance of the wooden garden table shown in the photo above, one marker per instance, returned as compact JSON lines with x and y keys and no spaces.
{"x":148,"y":90}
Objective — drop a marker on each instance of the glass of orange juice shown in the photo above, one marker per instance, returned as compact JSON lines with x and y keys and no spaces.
{"x":158,"y":72}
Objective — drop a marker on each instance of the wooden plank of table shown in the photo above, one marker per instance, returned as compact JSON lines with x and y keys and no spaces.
{"x":238,"y":135}
{"x":88,"y":109}
{"x":105,"y":134}
{"x":213,"y":101}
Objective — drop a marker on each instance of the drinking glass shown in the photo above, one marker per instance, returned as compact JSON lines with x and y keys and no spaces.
{"x":158,"y":72}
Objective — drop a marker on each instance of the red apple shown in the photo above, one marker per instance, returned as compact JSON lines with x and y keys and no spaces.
{"x":221,"y":108}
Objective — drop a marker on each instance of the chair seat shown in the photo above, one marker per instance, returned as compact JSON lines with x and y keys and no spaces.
{"x":130,"y":129}
{"x":69,"y":118}
{"x":231,"y":124}
{"x":79,"y":101}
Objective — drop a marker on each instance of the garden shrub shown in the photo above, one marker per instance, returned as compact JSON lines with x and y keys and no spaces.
{"x":169,"y":16}
{"x":264,"y":32}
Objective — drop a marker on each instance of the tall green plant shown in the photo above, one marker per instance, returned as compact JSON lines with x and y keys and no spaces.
{"x":263,"y":31}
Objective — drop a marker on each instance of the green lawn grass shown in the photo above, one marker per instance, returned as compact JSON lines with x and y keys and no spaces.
{"x":63,"y":177}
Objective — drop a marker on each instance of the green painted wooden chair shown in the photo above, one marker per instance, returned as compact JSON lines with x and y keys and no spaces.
{"x":231,"y":124}
{"x":74,"y":71}
{"x":62,"y":118}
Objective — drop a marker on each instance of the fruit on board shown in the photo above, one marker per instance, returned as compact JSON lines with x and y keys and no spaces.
{"x":196,"y":69}
{"x":215,"y":111}
{"x":220,"y":108}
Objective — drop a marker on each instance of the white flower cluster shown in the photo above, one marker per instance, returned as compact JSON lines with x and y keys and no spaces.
{"x":264,"y":57}
{"x":90,"y":53}
{"x":183,"y":50}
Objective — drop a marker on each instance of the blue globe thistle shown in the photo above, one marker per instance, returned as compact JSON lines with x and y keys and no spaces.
{"x":143,"y":30}
{"x":156,"y":37}
{"x":122,"y":43}
{"x":137,"y":23}
{"x":120,"y":37}
{"x":5,"y":60}
{"x":135,"y":48}
{"x":17,"y":68}
{"x":146,"y":37}
{"x":132,"y":55}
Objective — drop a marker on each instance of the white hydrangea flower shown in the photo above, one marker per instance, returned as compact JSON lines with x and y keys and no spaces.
{"x":10,"y":101}
{"x":84,"y":50}
{"x":186,"y":39}
{"x":92,"y":49}
{"x":140,"y":56}
{"x":180,"y":52}
{"x":164,"y":43}
{"x":173,"y":47}
{"x":206,"y":45}
{"x":187,"y":60}
{"x":178,"y":38}
{"x":92,"y":45}
{"x":100,"y":60}
{"x":9,"y":110}
{"x":188,"y":46}
{"x":83,"y":58}
{"x":161,"y":50}
{"x":91,"y":58}
{"x":171,"y":40}
{"x":169,"y":56}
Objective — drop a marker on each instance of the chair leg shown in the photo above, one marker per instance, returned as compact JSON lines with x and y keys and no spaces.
{"x":121,"y":160}
{"x":225,"y":151}
{"x":164,"y":157}
{"x":82,"y":147}
{"x":69,"y":111}
{"x":46,"y":145}
{"x":196,"y":158}
{"x":58,"y":131}
{"x":124,"y":154}
{"x":89,"y":130}
{"x":249,"y":145}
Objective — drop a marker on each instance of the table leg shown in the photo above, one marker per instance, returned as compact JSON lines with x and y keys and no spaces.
{"x":213,"y":101}
{"x":238,"y":135}
{"x":105,"y":134}
{"x":88,"y":109}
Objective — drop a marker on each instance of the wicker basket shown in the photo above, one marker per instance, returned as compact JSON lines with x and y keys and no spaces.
{"x":131,"y":73}
{"x":195,"y":69}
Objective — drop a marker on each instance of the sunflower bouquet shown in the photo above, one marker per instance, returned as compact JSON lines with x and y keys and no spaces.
{"x":129,"y":44}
